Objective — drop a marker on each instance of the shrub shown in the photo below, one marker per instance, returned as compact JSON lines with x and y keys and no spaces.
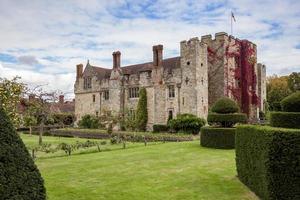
{"x":225,"y":105}
{"x":262,"y":115}
{"x":89,"y":121}
{"x":267,"y":160}
{"x":285,"y":119}
{"x":219,"y":138}
{"x":187,"y":123}
{"x":291,"y":103}
{"x":226,"y":120}
{"x":160,"y":128}
{"x":65,"y":118}
{"x":142,"y":112}
{"x":19,"y":176}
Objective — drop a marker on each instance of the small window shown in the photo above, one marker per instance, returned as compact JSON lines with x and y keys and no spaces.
{"x":149,"y":74}
{"x":182,"y":100}
{"x":106,"y":94}
{"x":87,"y":82}
{"x":94,"y":98}
{"x":97,"y":113}
{"x":171,"y":91}
{"x":170,"y":115}
{"x":134,"y":92}
{"x":201,"y":64}
{"x":188,"y":62}
{"x":202,"y":81}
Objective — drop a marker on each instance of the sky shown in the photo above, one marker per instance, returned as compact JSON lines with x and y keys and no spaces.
{"x":43,"y":40}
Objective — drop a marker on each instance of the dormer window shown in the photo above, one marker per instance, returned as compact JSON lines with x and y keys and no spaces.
{"x":87,"y":83}
{"x":171,"y":91}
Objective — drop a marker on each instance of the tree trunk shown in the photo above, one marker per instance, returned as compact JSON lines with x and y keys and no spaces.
{"x":41,"y":133}
{"x":30,"y":130}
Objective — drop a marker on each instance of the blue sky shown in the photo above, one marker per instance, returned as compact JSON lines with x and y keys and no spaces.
{"x":43,"y":40}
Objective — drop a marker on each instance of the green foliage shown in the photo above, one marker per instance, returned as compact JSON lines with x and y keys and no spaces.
{"x":29,"y":120}
{"x":160,"y":128}
{"x":285,"y":119}
{"x":267,"y":160}
{"x":89,"y":121}
{"x":186,"y":123}
{"x":109,"y":128}
{"x":226,"y":120}
{"x":294,"y":81}
{"x":142,"y":112}
{"x":10,"y":96}
{"x":63,"y":118}
{"x":19,"y":176}
{"x":291,"y":103}
{"x":225,"y":105}
{"x":219,"y":138}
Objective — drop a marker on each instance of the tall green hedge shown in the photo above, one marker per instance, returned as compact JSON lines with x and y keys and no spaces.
{"x":19,"y":176}
{"x":219,"y":138}
{"x":285,"y":119}
{"x":267,"y":160}
{"x":291,"y":103}
{"x":142,"y":111}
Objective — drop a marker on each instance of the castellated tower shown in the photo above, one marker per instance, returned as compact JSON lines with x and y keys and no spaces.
{"x":194,"y":86}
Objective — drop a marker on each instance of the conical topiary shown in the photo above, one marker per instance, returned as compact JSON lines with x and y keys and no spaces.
{"x":19,"y":176}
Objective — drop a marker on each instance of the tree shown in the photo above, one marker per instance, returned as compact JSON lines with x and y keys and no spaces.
{"x":142,"y":112}
{"x":10,"y":94}
{"x":29,"y":121}
{"x":19,"y":176}
{"x":294,"y":81}
{"x":277,"y":89}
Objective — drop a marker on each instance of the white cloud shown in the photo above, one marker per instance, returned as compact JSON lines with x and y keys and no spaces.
{"x":60,"y":34}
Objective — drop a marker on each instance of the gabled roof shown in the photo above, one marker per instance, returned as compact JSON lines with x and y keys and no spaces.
{"x":168,"y":64}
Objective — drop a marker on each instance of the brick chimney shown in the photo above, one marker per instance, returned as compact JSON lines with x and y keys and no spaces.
{"x":116,"y":59}
{"x":79,"y":71}
{"x":61,"y":99}
{"x":157,"y":55}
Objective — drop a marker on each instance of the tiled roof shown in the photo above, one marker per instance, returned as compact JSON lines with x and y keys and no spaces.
{"x":169,"y":63}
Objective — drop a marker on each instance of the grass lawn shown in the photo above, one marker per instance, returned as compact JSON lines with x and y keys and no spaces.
{"x":162,"y":171}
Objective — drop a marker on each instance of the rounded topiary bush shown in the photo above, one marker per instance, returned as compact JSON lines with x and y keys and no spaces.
{"x":225,"y":105}
{"x":291,"y":103}
{"x":226,"y":120}
{"x":19,"y":176}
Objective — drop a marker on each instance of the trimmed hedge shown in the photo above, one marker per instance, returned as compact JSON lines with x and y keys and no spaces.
{"x":219,"y":138}
{"x":187,"y":123}
{"x":285,"y":119}
{"x":225,"y":105}
{"x":130,"y":136}
{"x":160,"y":128}
{"x":291,"y":103}
{"x":19,"y":176}
{"x":226,"y":120}
{"x":268,"y":161}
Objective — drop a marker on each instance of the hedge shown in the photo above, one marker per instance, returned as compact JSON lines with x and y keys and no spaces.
{"x":285,"y":119}
{"x":225,"y":105}
{"x":219,"y":138}
{"x":187,"y":123}
{"x":130,"y":136}
{"x":267,"y":160}
{"x":291,"y":103}
{"x":19,"y":176}
{"x":226,"y":120}
{"x":160,"y":128}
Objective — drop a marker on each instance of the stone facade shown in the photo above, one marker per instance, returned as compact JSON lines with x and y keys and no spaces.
{"x":189,"y":83}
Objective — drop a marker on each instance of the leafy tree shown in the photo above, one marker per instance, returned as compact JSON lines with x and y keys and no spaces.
{"x":10,"y":95}
{"x":89,"y":121}
{"x":294,"y":81}
{"x":29,"y":121}
{"x":142,"y":112}
{"x":277,"y":89}
{"x":19,"y":176}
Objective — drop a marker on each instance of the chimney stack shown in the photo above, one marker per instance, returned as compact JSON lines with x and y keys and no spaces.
{"x":116,"y":59}
{"x":79,"y":71}
{"x":61,"y":99}
{"x":157,"y":55}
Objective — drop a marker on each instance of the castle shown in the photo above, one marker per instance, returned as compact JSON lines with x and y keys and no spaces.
{"x":206,"y":70}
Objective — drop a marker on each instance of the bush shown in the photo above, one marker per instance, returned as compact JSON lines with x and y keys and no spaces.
{"x":89,"y":121}
{"x":226,"y":120}
{"x":19,"y":176}
{"x":219,"y":138}
{"x":142,"y":112}
{"x":225,"y":105}
{"x":267,"y":160}
{"x":160,"y":128}
{"x":291,"y":103}
{"x":187,"y":123}
{"x":65,"y":118}
{"x":285,"y":119}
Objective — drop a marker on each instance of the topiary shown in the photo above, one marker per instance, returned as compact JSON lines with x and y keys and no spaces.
{"x":225,"y":105}
{"x":141,"y":111}
{"x":291,"y":103}
{"x":19,"y":176}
